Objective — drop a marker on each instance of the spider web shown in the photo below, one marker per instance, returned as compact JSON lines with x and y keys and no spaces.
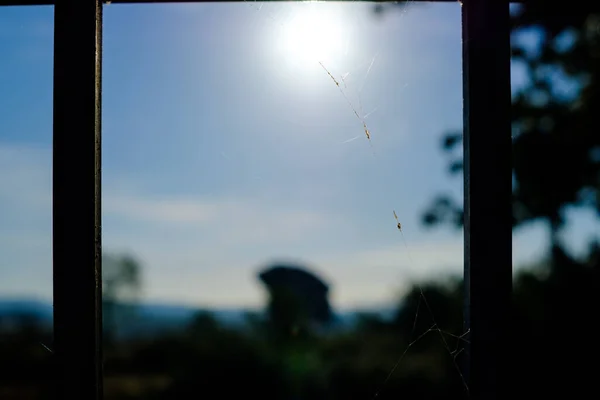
{"x":350,"y":84}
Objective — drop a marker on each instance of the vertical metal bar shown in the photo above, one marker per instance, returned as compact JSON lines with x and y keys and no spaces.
{"x":76,"y":199}
{"x":487,"y":195}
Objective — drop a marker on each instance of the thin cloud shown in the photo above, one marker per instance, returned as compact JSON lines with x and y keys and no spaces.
{"x":161,"y":210}
{"x":239,"y":220}
{"x":193,"y":247}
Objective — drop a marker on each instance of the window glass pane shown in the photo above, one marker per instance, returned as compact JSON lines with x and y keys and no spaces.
{"x":556,"y":184}
{"x":26,"y":44}
{"x":245,"y":144}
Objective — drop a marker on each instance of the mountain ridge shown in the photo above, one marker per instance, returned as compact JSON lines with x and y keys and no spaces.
{"x":154,"y":318}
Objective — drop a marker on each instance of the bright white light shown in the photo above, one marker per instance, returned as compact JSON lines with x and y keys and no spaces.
{"x":313,"y":36}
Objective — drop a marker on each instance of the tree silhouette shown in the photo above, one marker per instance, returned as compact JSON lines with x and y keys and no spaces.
{"x":121,"y":282}
{"x":556,"y":144}
{"x":297,"y":299}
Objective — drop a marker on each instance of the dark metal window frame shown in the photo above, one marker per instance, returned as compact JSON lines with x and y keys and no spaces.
{"x":77,"y":195}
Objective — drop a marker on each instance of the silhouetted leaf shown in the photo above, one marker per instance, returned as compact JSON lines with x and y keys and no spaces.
{"x":456,"y":167}
{"x":449,"y":141}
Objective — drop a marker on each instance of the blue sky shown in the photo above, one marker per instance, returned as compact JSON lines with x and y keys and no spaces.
{"x":227,"y":146}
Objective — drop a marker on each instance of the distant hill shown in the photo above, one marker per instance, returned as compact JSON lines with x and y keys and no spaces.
{"x":152,"y":319}
{"x":31,"y":307}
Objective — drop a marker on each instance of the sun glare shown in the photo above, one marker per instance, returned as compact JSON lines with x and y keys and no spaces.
{"x":313,"y":36}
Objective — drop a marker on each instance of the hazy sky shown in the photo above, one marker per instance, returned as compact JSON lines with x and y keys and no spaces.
{"x":227,"y":146}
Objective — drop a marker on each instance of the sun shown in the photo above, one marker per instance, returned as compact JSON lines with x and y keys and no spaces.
{"x":313,"y":35}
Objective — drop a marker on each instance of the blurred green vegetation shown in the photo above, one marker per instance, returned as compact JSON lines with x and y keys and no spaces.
{"x":555,"y":304}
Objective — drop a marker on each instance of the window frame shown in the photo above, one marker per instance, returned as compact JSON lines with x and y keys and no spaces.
{"x":76,"y":195}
